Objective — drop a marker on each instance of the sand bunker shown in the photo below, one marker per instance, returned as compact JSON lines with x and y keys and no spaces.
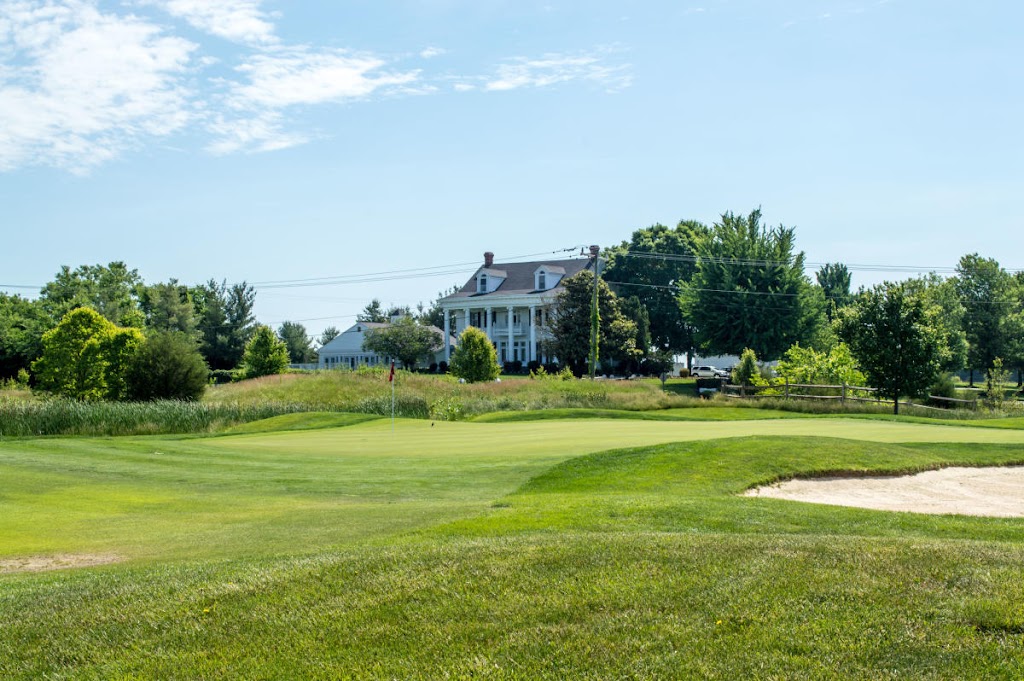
{"x":995,"y":492}
{"x":55,"y":562}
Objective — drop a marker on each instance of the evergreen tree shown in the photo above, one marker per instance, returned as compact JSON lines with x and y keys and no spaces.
{"x":265,"y":354}
{"x":475,"y":358}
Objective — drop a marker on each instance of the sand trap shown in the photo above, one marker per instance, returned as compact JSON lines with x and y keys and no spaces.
{"x":59,"y":561}
{"x":997,"y":492}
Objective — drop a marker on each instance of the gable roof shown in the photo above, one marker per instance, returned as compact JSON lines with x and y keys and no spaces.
{"x":519,"y":277}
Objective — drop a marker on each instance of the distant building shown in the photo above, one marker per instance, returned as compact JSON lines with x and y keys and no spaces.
{"x":345,"y":351}
{"x":511,"y":303}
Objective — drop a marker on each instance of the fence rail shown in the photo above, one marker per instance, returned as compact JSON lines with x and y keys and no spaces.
{"x":752,"y":392}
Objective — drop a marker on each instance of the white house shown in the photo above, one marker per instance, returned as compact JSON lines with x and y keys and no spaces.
{"x":511,"y":303}
{"x":345,"y":351}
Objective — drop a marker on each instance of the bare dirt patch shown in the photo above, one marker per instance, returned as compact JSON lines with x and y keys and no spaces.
{"x":60,"y":561}
{"x":996,"y":492}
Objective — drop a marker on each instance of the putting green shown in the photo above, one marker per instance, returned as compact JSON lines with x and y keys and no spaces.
{"x":267,"y":493}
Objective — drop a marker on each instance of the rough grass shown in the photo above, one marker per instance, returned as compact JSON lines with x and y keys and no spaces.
{"x":503,"y":550}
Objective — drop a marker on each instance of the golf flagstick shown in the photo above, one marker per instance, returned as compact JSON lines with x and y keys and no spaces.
{"x":391,"y":380}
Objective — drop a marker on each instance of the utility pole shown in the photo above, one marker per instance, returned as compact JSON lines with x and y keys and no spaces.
{"x":595,"y":319}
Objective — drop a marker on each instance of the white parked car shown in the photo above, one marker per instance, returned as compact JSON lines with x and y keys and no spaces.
{"x":708,"y":372}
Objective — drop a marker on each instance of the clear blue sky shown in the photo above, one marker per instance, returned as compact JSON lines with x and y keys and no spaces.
{"x":265,"y":141}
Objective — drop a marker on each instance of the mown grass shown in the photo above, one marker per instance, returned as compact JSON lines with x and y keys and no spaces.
{"x":504,"y":550}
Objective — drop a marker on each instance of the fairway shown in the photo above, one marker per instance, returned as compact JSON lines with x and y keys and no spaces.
{"x":535,"y":547}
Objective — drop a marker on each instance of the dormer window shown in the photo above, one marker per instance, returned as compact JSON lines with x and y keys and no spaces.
{"x":542,"y":280}
{"x":481,"y":284}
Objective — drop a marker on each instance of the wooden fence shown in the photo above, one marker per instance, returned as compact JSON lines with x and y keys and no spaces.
{"x":845,"y":393}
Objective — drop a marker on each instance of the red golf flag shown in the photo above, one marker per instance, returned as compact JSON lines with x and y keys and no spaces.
{"x":391,"y":376}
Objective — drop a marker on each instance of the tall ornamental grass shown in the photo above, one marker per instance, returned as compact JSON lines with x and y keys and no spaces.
{"x":68,"y":417}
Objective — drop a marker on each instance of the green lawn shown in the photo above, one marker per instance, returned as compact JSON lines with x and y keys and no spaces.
{"x":337,"y":547}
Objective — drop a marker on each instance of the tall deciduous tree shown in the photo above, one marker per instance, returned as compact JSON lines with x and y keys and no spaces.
{"x":571,"y":324}
{"x":947,"y":314}
{"x":750,"y":290}
{"x":22,"y":325}
{"x":984,"y":289}
{"x":404,"y":340}
{"x":651,"y":266}
{"x":475,"y":359}
{"x":265,"y":354}
{"x":891,"y":334}
{"x":86,"y":357}
{"x":111,"y":290}
{"x":300,"y":347}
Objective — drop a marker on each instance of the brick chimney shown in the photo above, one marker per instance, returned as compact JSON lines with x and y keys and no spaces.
{"x":488,"y":259}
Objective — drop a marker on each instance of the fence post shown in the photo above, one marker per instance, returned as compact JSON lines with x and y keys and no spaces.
{"x":743,"y":390}
{"x":787,"y":387}
{"x":843,"y":398}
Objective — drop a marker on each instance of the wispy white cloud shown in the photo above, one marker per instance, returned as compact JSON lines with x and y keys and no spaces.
{"x":241,"y":21}
{"x":554,"y":68}
{"x":278,"y":80}
{"x":81,"y":85}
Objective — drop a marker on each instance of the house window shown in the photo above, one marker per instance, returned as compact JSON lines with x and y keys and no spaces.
{"x":542,"y":280}
{"x":482,"y":284}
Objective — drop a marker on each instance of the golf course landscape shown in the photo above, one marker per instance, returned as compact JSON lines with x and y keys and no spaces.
{"x":518,"y":545}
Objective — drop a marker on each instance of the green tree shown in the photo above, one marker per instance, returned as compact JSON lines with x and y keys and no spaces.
{"x":86,"y":357}
{"x":651,"y":266}
{"x":265,"y":354}
{"x":807,"y":365}
{"x":373,"y":312}
{"x":984,"y":289}
{"x":300,"y":347}
{"x":475,"y":358}
{"x":226,"y":321}
{"x":327,"y":335}
{"x":22,"y":325}
{"x":404,"y":340}
{"x":634,"y":311}
{"x":892,"y":335}
{"x":570,"y":324}
{"x":168,"y":307}
{"x":750,"y":291}
{"x":168,"y":366}
{"x":946,"y":311}
{"x":834,"y":280}
{"x":111,"y":290}
{"x":747,"y":372}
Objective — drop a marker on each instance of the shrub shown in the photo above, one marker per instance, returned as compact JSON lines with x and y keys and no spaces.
{"x":475,"y":359}
{"x":684,"y":373}
{"x":168,"y":366}
{"x":220,"y":376}
{"x":514,"y":367}
{"x":442,"y":367}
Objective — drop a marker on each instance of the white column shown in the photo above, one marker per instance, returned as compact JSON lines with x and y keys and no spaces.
{"x":487,"y":323}
{"x":533,"y":334}
{"x":447,"y":335}
{"x":510,"y":352}
{"x":465,"y":318}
